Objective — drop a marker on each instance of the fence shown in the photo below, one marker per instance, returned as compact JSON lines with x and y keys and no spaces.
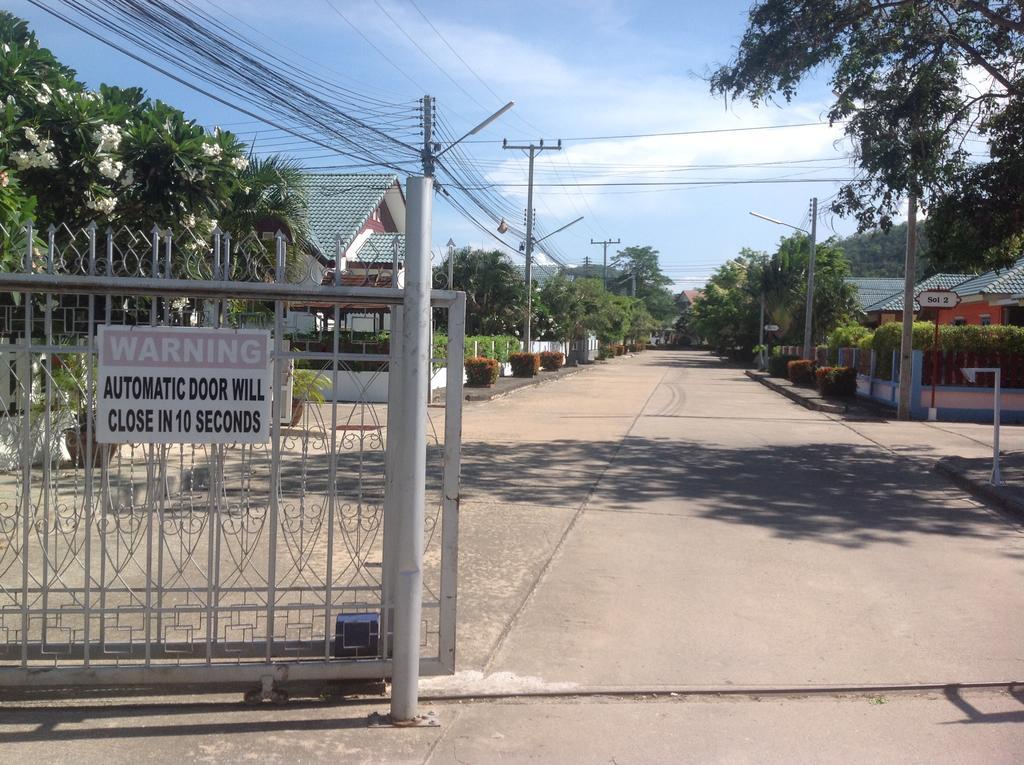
{"x":208,"y":565}
{"x":955,"y":398}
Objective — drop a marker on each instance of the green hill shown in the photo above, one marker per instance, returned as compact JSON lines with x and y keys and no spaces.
{"x":875,"y":253}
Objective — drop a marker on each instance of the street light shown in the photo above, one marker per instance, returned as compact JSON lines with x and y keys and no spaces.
{"x":810,"y":271}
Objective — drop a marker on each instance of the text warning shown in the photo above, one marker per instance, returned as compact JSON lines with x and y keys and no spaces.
{"x":166,"y":385}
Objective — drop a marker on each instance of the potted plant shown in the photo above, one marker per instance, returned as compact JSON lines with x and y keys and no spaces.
{"x":307,"y":385}
{"x":71,"y":374}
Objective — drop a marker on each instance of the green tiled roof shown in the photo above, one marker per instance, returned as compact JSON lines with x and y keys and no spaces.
{"x":1002,"y":281}
{"x":340,"y":203}
{"x":380,"y":248}
{"x":935,"y":282}
{"x":871,"y":290}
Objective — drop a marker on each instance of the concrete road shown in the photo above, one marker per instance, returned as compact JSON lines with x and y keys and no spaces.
{"x":636,"y":542}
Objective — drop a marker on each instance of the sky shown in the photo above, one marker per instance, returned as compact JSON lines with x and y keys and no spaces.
{"x":584,"y":71}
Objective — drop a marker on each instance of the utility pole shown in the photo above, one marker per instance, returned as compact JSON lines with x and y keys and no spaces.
{"x":907,"y":337}
{"x":809,"y":312}
{"x":605,"y":243}
{"x":534,"y":150}
{"x":632,"y":283}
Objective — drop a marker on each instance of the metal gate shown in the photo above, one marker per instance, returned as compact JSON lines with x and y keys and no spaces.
{"x":210,"y":565}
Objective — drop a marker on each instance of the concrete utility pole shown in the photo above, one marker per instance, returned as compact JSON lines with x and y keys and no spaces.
{"x":605,"y":243}
{"x":534,"y":150}
{"x":809,"y":317}
{"x":907,"y":337}
{"x":405,"y":476}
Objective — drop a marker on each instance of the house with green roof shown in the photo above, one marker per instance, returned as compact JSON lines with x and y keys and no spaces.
{"x":357,"y":222}
{"x":890,"y":308}
{"x":994,"y":297}
{"x":871,"y":290}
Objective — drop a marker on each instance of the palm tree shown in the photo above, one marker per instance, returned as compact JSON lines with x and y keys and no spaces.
{"x":494,"y":289}
{"x":270,"y":197}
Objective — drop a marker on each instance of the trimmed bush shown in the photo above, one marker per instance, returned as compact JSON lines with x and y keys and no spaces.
{"x":836,"y":381}
{"x":801,"y":372}
{"x":605,"y":352}
{"x":524,"y":364}
{"x":778,"y":366}
{"x":481,"y":372}
{"x":619,"y":349}
{"x":552,"y":361}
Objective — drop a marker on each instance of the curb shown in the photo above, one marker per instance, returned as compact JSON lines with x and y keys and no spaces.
{"x":787,"y":389}
{"x":484,"y":394}
{"x":955,"y":469}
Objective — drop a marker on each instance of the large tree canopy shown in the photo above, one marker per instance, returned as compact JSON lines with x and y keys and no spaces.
{"x":643,"y":272}
{"x":727,"y":314}
{"x":916,"y":82}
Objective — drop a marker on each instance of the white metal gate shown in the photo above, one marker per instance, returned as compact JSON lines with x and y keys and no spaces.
{"x":192,"y":565}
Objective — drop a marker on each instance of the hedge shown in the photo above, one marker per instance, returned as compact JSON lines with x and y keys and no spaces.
{"x":492,"y":346}
{"x":836,"y":381}
{"x":525,"y":364}
{"x":552,"y":361}
{"x":778,"y":365}
{"x":481,"y":372}
{"x":801,"y":372}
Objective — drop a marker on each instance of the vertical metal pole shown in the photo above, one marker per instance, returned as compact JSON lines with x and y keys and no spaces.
{"x":408,"y":466}
{"x":933,"y":413}
{"x":451,"y":483}
{"x":529,"y":256}
{"x":907,"y":337}
{"x":24,"y":369}
{"x":809,"y":309}
{"x":275,"y":445}
{"x":760,"y":334}
{"x":996,"y":479}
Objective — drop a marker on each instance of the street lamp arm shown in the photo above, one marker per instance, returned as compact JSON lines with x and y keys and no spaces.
{"x":478,"y":128}
{"x":563,"y":228}
{"x":779,"y":222}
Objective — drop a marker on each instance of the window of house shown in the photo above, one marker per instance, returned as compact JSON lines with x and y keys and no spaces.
{"x":959,"y":321}
{"x":986,"y":319}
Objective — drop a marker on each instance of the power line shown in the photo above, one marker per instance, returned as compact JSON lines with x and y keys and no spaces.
{"x":676,"y":133}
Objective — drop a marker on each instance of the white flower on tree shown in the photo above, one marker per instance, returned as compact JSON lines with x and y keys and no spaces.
{"x":239,"y":163}
{"x":110,"y":168}
{"x":107,"y":138}
{"x":129,"y":178}
{"x":42,"y":98}
{"x":212,"y":150}
{"x":103,"y":205}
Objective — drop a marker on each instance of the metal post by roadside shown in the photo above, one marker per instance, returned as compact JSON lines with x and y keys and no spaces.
{"x":408,"y":466}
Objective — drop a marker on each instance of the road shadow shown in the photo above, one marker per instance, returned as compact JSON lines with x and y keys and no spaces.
{"x":845,"y":495}
{"x":125,"y":721}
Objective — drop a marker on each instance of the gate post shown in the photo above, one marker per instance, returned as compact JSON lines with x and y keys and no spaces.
{"x":409,"y":463}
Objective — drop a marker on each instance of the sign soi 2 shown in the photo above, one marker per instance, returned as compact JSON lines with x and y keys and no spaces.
{"x":938,"y":299}
{"x":169,"y":385}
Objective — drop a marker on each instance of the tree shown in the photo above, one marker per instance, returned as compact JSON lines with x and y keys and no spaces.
{"x":495,"y":291}
{"x":728,"y":313}
{"x":641,"y":264}
{"x":578,"y":307}
{"x":902,"y":73}
{"x":111,"y":156}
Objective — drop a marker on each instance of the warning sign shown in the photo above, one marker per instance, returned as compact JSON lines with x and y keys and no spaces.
{"x":162,"y":385}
